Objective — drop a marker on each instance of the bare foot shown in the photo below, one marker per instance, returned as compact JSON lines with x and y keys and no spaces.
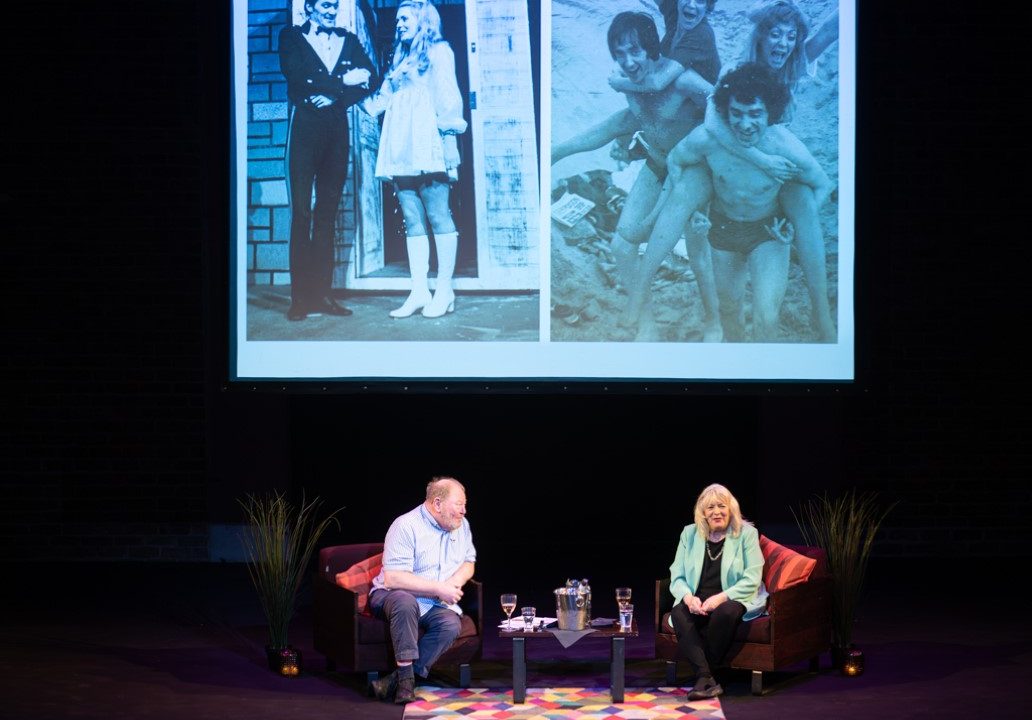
{"x":625,"y":255}
{"x":825,"y":327}
{"x":637,"y":299}
{"x":647,"y":329}
{"x":712,"y":331}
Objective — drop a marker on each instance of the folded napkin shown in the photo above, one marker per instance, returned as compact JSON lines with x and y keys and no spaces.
{"x":603,"y":622}
{"x":567,"y":638}
{"x":517,"y":623}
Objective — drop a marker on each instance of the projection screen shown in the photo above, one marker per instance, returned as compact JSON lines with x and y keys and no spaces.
{"x":564,"y":190}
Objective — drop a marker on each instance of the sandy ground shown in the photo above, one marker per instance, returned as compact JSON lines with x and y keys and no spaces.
{"x":478,"y":317}
{"x":585,"y":293}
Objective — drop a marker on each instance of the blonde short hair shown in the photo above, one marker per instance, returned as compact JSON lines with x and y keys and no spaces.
{"x":718,"y":492}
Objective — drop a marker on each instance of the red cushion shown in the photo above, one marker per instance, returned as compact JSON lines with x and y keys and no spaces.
{"x":359,"y":578}
{"x":783,"y":568}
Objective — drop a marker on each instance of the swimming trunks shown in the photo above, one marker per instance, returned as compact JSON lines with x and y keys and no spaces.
{"x":740,"y":236}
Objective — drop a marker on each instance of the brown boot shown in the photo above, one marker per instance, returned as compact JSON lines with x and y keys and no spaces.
{"x":406,"y":691}
{"x":385,"y":687}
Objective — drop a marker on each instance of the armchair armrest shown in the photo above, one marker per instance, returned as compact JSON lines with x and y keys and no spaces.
{"x":472,"y":603}
{"x":664,"y":600}
{"x":334,"y":617}
{"x":802,"y":606}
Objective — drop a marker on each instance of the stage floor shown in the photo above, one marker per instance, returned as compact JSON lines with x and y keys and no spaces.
{"x":186,"y":641}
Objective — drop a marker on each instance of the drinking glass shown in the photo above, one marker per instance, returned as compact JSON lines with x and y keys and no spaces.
{"x":508,"y":605}
{"x":623,"y":596}
{"x":528,"y":618}
{"x":626,"y":617}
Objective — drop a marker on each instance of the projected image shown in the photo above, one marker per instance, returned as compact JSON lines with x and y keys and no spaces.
{"x":390,"y":186}
{"x":395,"y":219}
{"x":695,"y":172}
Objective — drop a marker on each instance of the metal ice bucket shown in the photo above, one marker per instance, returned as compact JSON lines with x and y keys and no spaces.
{"x":570,"y":609}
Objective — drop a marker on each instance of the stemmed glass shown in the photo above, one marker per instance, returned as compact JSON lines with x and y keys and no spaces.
{"x":623,"y":596}
{"x":508,"y":605}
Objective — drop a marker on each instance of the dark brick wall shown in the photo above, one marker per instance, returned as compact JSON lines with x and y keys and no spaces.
{"x":107,"y":164}
{"x":117,"y":442}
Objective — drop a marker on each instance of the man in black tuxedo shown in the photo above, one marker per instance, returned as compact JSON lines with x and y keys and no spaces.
{"x":327,"y":71}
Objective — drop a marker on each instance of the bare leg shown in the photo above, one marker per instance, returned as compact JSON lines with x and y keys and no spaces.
{"x":800,"y":206}
{"x":691,"y":193}
{"x":631,"y":230}
{"x":729,"y":274}
{"x":701,"y":260}
{"x":768,"y":270}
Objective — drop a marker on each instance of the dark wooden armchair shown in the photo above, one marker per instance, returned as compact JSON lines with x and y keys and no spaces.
{"x":354,"y":641}
{"x":798,"y":626}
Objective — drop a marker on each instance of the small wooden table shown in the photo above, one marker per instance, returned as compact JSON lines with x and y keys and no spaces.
{"x":616,"y":657}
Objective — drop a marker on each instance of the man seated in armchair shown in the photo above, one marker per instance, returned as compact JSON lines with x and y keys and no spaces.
{"x":428,"y":556}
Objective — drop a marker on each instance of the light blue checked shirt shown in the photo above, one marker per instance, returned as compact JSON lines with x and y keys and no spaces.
{"x":415,"y":543}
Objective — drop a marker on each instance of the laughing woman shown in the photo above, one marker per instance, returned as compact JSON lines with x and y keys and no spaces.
{"x":782,"y":39}
{"x":715,"y":581}
{"x":418,"y":151}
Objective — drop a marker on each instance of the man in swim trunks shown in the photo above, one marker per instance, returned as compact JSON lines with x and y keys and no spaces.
{"x":748,"y":240}
{"x":663,"y":118}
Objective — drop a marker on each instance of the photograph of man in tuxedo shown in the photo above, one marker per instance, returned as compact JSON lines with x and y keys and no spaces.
{"x":327,"y":72}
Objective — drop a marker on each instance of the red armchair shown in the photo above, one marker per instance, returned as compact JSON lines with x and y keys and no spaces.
{"x":355,"y":641}
{"x":797,"y":626}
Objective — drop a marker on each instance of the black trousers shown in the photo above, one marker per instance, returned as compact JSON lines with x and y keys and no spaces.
{"x":703,"y":640}
{"x":317,"y":157}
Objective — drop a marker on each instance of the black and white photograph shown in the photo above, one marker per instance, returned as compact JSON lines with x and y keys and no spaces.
{"x":389,"y":186}
{"x":698,"y":193}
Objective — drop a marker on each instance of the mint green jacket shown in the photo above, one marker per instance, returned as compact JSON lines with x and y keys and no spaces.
{"x":741,"y":568}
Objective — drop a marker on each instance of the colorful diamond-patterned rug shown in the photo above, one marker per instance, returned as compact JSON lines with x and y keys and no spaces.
{"x":665,"y":703}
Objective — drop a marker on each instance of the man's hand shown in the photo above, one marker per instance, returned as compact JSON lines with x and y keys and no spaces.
{"x":617,"y":80}
{"x":780,"y":168}
{"x":781,"y":230}
{"x":449,"y":592}
{"x":320,"y":101}
{"x":694,"y":605}
{"x":713,"y":602}
{"x":699,"y":224}
{"x":356,"y":76}
{"x":618,"y":151}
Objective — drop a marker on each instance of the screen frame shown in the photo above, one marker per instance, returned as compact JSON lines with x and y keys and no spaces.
{"x":535,"y":384}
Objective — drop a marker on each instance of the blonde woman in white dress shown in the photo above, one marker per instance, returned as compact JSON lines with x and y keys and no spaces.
{"x":418,"y":150}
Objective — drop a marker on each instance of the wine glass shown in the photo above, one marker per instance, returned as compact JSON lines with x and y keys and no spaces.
{"x":528,"y":618}
{"x":508,"y":605}
{"x":623,"y":596}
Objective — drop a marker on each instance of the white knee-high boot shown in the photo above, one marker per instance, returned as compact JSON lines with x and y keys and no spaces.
{"x":444,"y":296}
{"x":419,"y":265}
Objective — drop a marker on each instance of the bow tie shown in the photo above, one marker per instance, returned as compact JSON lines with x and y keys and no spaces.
{"x":320,"y":29}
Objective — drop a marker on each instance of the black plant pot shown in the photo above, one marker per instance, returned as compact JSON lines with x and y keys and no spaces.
{"x":284,"y":661}
{"x":838,"y":655}
{"x":848,"y":659}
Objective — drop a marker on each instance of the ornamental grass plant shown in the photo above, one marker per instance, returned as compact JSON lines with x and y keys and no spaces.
{"x":844,"y":527}
{"x":280,"y":540}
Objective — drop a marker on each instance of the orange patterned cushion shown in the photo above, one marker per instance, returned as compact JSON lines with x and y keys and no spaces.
{"x":783,"y":568}
{"x":359,"y":578}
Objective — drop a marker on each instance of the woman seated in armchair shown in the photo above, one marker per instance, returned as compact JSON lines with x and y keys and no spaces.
{"x":716,"y":583}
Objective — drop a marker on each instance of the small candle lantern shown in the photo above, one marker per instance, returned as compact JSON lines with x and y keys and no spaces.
{"x":854,"y":662}
{"x":289,"y":662}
